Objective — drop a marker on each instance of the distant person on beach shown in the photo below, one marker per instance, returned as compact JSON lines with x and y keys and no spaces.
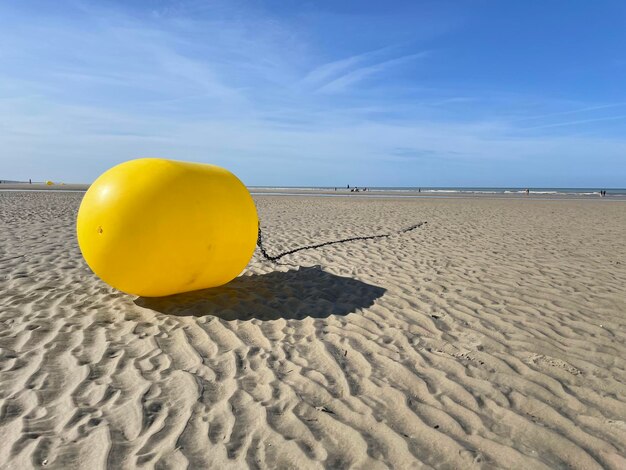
{"x":419,"y":190}
{"x":30,"y":181}
{"x":527,"y":191}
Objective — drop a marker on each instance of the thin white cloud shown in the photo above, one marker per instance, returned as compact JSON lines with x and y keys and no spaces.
{"x":345,"y":81}
{"x":573,"y":123}
{"x":573,"y":111}
{"x":331,"y":70}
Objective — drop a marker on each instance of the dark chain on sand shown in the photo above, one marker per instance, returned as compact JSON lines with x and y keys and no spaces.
{"x":269,"y":257}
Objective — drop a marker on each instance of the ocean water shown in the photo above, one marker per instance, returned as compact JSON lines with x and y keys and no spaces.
{"x":591,"y":192}
{"x":435,"y":191}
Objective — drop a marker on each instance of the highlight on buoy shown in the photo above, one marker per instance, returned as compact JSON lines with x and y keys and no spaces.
{"x":154,"y":227}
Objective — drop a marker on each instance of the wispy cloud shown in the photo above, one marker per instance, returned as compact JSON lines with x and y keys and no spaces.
{"x":573,"y":123}
{"x":343,"y":81}
{"x":331,"y":70}
{"x":574,"y":111}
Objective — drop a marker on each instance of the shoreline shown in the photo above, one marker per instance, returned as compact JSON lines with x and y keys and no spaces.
{"x":512,"y":197}
{"x":343,"y":193}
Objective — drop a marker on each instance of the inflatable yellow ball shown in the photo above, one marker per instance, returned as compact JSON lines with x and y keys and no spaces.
{"x":155,"y":227}
{"x":49,"y":183}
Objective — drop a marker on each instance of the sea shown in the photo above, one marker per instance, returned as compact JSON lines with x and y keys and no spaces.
{"x":440,"y":191}
{"x":590,"y":192}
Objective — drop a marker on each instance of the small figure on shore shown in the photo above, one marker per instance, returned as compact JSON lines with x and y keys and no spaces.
{"x":30,"y":181}
{"x":419,"y":190}
{"x":348,"y":186}
{"x":527,"y":191}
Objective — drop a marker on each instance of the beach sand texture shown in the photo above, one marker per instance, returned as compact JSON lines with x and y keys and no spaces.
{"x":492,"y":337}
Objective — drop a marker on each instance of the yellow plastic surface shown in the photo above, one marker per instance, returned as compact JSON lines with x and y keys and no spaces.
{"x":155,"y":227}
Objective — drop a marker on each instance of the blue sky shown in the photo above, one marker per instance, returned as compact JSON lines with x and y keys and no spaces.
{"x":402,"y":93}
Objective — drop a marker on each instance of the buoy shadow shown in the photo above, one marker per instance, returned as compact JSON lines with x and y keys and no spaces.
{"x":295,"y":294}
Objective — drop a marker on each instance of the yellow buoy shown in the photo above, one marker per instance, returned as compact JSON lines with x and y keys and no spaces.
{"x":49,"y":183}
{"x":155,"y":227}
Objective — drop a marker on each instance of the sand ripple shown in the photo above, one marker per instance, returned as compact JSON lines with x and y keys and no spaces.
{"x":492,"y":338}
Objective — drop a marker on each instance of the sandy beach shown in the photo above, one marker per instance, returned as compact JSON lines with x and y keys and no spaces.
{"x":493,"y":336}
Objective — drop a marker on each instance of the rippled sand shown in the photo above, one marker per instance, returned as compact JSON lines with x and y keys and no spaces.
{"x":491,"y":337}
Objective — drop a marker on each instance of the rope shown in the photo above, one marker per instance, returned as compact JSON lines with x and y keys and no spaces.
{"x":268,"y":257}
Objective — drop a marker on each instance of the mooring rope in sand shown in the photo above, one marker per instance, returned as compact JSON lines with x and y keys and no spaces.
{"x":268,"y":257}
